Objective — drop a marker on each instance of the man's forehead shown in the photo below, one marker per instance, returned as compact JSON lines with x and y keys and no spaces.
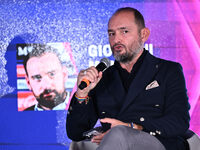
{"x":121,"y":19}
{"x":121,"y":25}
{"x":46,"y":56}
{"x":123,"y":15}
{"x":44,"y":63}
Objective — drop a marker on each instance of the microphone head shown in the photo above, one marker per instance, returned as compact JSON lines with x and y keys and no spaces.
{"x":106,"y":61}
{"x":103,"y":65}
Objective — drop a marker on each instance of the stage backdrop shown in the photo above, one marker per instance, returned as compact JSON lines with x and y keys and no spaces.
{"x":78,"y":29}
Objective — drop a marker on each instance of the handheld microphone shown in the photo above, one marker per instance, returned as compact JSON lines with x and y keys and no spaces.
{"x":102,"y":66}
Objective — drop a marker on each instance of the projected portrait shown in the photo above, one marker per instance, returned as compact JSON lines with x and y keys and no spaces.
{"x":47,"y":68}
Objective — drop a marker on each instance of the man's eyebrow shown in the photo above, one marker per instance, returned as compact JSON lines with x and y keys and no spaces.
{"x":110,"y":30}
{"x":52,"y":70}
{"x":35,"y":76}
{"x":120,"y":28}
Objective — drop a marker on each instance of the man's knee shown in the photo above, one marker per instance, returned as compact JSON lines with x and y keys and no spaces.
{"x":114,"y":139}
{"x":117,"y":130}
{"x":123,"y":137}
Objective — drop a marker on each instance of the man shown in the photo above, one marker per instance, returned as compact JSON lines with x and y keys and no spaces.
{"x":46,"y":77}
{"x":141,"y":100}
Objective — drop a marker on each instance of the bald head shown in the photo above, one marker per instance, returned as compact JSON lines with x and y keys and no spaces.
{"x":138,"y":18}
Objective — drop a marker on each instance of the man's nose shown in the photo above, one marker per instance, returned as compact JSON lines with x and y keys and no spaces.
{"x":117,"y":39}
{"x":47,"y":83}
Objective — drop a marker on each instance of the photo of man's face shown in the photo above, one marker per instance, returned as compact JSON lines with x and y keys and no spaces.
{"x":46,"y":78}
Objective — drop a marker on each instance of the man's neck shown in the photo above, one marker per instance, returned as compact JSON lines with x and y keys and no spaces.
{"x":129,"y":65}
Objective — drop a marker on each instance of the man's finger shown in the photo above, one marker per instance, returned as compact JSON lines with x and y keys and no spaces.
{"x":107,"y":120}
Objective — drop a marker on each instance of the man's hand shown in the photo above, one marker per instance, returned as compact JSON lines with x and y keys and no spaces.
{"x":90,"y":74}
{"x":113,"y":122}
{"x":97,"y":139}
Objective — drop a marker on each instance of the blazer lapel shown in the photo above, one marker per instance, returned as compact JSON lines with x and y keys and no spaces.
{"x":144,"y":76}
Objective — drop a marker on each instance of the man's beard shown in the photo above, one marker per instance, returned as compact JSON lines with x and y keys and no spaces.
{"x":128,"y":55}
{"x":51,"y":101}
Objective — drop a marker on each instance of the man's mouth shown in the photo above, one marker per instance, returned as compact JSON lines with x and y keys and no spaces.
{"x":118,"y":48}
{"x":48,"y":95}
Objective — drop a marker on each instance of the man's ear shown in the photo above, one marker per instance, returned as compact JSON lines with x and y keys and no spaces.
{"x":145,"y":32}
{"x":28,"y":82}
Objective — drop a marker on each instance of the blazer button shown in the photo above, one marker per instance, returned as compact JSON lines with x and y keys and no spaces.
{"x":141,"y":119}
{"x":103,"y":114}
{"x":152,"y":133}
{"x":156,"y":66}
{"x":158,"y":132}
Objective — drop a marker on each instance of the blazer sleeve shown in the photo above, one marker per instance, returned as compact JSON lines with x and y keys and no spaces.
{"x":175,"y":118}
{"x":80,"y":118}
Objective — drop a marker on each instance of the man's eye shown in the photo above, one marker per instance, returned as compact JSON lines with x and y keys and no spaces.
{"x":51,"y":74}
{"x":37,"y":77}
{"x":125,"y":31}
{"x":111,"y":34}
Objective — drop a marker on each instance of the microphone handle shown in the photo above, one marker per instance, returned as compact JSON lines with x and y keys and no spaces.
{"x":84,"y":83}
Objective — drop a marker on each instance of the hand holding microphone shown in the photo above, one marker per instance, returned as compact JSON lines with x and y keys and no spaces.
{"x":91,"y":76}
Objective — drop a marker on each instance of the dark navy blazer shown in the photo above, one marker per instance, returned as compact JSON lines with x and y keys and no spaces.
{"x":162,"y":109}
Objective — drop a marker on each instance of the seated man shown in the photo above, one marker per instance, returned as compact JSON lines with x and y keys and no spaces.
{"x":141,"y":100}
